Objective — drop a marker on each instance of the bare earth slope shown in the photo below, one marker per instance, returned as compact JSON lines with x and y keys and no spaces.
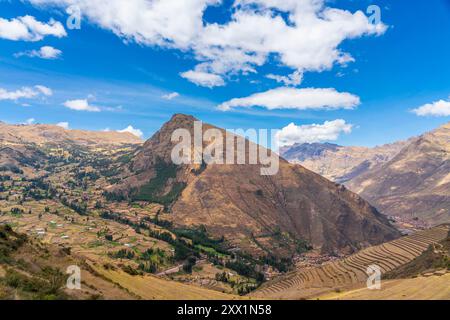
{"x":338,"y":163}
{"x":408,"y":179}
{"x":416,"y":182}
{"x":256,"y":213}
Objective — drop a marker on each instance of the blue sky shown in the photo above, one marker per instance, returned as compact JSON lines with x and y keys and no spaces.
{"x":401,"y":69}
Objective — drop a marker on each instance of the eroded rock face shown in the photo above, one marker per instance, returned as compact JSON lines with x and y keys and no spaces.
{"x":415,"y":183}
{"x":259,"y":213}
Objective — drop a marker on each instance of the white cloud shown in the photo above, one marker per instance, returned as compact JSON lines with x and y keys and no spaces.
{"x":329,"y":131}
{"x":293,"y":79}
{"x":300,"y":99}
{"x":64,"y":125}
{"x":133,"y":131}
{"x":171,"y":96}
{"x":81,"y":105}
{"x":25,"y":93}
{"x":27,"y":28}
{"x":203,"y":79}
{"x":44,"y":90}
{"x":304,"y":35}
{"x":30,"y":121}
{"x":439,"y":108}
{"x":45,"y":52}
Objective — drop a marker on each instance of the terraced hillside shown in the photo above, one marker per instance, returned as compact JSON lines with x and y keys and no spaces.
{"x":351,"y":271}
{"x":420,"y":288}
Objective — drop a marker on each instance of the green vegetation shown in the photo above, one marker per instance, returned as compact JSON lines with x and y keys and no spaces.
{"x":9,"y":243}
{"x":151,"y":191}
{"x":42,"y":284}
{"x":47,"y":285}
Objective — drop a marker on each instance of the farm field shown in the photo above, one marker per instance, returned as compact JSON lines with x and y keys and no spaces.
{"x":153,"y":288}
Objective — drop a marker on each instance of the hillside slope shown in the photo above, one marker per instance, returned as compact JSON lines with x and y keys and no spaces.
{"x":420,"y":288}
{"x":258,"y":214}
{"x":44,"y":134}
{"x":31,"y":270}
{"x":415,"y":183}
{"x":24,"y":148}
{"x":339,"y":163}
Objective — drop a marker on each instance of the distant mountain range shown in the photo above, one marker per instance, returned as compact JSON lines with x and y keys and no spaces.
{"x":408,"y":178}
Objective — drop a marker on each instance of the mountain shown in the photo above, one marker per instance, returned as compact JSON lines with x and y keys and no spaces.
{"x":409,"y":179}
{"x":339,"y":163}
{"x":415,"y":183}
{"x":51,"y":134}
{"x":24,"y":147}
{"x":258,"y":214}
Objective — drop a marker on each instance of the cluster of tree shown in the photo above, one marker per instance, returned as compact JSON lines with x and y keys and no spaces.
{"x":245,"y":268}
{"x":189,"y":264}
{"x":17,"y":211}
{"x":151,"y":192}
{"x":78,"y":207}
{"x":114,"y":197}
{"x":281,"y":264}
{"x":123,"y":254}
{"x":12,"y":169}
{"x":38,"y":189}
{"x":199,"y":236}
{"x":5,"y":178}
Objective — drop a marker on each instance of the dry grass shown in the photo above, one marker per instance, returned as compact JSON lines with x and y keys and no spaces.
{"x":423,"y":288}
{"x":153,"y":288}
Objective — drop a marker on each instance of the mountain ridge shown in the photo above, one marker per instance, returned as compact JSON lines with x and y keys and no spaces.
{"x":44,"y":133}
{"x":235,"y":201}
{"x":409,"y":179}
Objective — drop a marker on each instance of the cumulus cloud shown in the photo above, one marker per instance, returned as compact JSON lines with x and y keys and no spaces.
{"x":64,"y":125}
{"x":171,"y":96}
{"x":300,"y":99}
{"x":328,"y":131}
{"x":25,"y":93}
{"x":27,"y":28}
{"x":46,"y":52}
{"x":203,"y":79}
{"x":81,"y":105}
{"x":303,"y":35}
{"x":138,"y":133}
{"x":439,"y":108}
